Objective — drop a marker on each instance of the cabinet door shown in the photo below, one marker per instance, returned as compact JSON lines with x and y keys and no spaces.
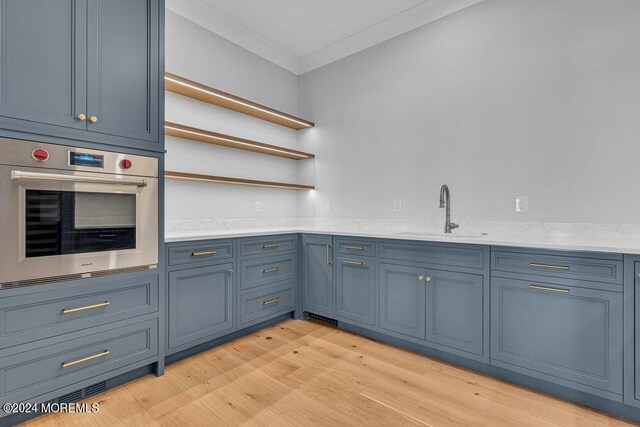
{"x":200,"y":304}
{"x":455,"y":307}
{"x":317,"y":280}
{"x":355,"y":290}
{"x":558,"y":332}
{"x":402,"y":299}
{"x":122,"y":70}
{"x":42,"y":62}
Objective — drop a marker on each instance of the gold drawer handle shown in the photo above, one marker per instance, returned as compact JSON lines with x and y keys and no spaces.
{"x":93,"y":119}
{"x":271,"y":246}
{"x":271,"y":270}
{"x":81,"y":117}
{"x":354,"y":248}
{"x":271,"y":301}
{"x":85,"y":359}
{"x":88,"y":307}
{"x":544,"y":288}
{"x":552,"y":267}
{"x":349,"y":262}
{"x":231,"y":271}
{"x":205,"y":253}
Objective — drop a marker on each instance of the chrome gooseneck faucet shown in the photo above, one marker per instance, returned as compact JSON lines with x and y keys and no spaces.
{"x":445,"y":201}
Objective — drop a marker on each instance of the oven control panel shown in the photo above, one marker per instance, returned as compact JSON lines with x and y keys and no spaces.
{"x":20,"y":153}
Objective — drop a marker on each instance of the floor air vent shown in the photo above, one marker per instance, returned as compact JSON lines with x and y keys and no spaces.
{"x":78,"y":395}
{"x":323,"y":319}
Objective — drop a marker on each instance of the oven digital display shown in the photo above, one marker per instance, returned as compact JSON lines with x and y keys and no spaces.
{"x":84,"y":159}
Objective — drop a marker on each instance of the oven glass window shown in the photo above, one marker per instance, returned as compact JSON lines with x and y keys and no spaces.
{"x":63,"y":222}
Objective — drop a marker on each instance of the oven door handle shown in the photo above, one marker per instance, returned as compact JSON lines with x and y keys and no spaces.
{"x":75,"y":178}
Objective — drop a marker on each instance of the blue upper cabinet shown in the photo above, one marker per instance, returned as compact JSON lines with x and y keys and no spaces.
{"x":43,"y":63}
{"x":317,"y":275}
{"x":87,"y":70}
{"x":122,"y":68}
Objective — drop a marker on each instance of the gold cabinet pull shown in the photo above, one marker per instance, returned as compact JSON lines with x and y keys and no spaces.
{"x":231,"y":271}
{"x":93,"y":119}
{"x":82,"y":117}
{"x":420,"y":277}
{"x":551,"y":267}
{"x":349,"y":262}
{"x":271,"y":270}
{"x":545,"y":288}
{"x":271,"y":245}
{"x":271,"y":301}
{"x":354,"y":248}
{"x":205,"y":253}
{"x":88,"y":307}
{"x":85,"y":359}
{"x":427,"y":278}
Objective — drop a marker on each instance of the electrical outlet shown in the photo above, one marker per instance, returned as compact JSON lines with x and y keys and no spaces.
{"x":327,"y":206}
{"x":522,"y":204}
{"x":258,"y":206}
{"x":397,"y":206}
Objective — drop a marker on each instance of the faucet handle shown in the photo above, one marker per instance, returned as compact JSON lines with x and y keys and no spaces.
{"x":453,"y":226}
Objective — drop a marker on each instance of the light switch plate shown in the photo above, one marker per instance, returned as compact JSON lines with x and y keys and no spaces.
{"x":397,"y":206}
{"x":522,"y":204}
{"x":327,"y":206}
{"x":258,"y":206}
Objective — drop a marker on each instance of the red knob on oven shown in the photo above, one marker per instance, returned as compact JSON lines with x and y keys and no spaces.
{"x":125,"y":163}
{"x":40,"y":154}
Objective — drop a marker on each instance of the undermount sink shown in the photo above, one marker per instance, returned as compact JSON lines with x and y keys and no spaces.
{"x":451,"y":235}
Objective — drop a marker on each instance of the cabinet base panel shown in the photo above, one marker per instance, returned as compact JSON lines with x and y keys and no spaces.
{"x":617,"y":408}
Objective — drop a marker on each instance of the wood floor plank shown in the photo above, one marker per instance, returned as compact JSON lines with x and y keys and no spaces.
{"x":305,"y":373}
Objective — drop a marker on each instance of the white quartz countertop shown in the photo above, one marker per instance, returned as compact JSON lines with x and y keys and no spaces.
{"x":580,"y":241}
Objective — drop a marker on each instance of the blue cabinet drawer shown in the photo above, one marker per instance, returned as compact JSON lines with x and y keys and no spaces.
{"x":589,"y":269}
{"x":558,"y":333}
{"x":263,"y":271}
{"x":268,"y":245}
{"x":355,"y":247}
{"x":35,"y":371}
{"x":201,"y":253}
{"x":434,"y":254}
{"x":92,"y":302}
{"x":258,"y":306}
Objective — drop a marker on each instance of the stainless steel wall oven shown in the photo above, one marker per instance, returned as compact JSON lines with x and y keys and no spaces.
{"x":71,"y":212}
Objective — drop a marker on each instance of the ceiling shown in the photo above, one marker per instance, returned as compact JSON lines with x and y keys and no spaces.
{"x":302,"y":35}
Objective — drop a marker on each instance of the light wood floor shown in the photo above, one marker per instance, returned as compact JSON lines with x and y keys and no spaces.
{"x":302,"y":373}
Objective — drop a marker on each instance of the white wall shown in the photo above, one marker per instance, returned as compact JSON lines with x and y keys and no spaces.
{"x":537,"y":98}
{"x":200,"y":55}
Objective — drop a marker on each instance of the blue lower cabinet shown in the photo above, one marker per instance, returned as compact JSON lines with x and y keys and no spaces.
{"x":30,"y":371}
{"x":564,"y":334}
{"x":201,"y":304}
{"x":355,"y":290}
{"x":317,"y":275}
{"x":455,"y":310}
{"x":403,"y":300}
{"x":269,"y":301}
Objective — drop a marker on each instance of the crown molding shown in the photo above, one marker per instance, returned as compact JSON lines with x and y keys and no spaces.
{"x":415,"y":17}
{"x":199,"y":14}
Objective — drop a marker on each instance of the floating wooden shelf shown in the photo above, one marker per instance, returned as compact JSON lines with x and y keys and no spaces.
{"x":213,"y":96}
{"x":201,"y":135}
{"x":237,"y":181}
